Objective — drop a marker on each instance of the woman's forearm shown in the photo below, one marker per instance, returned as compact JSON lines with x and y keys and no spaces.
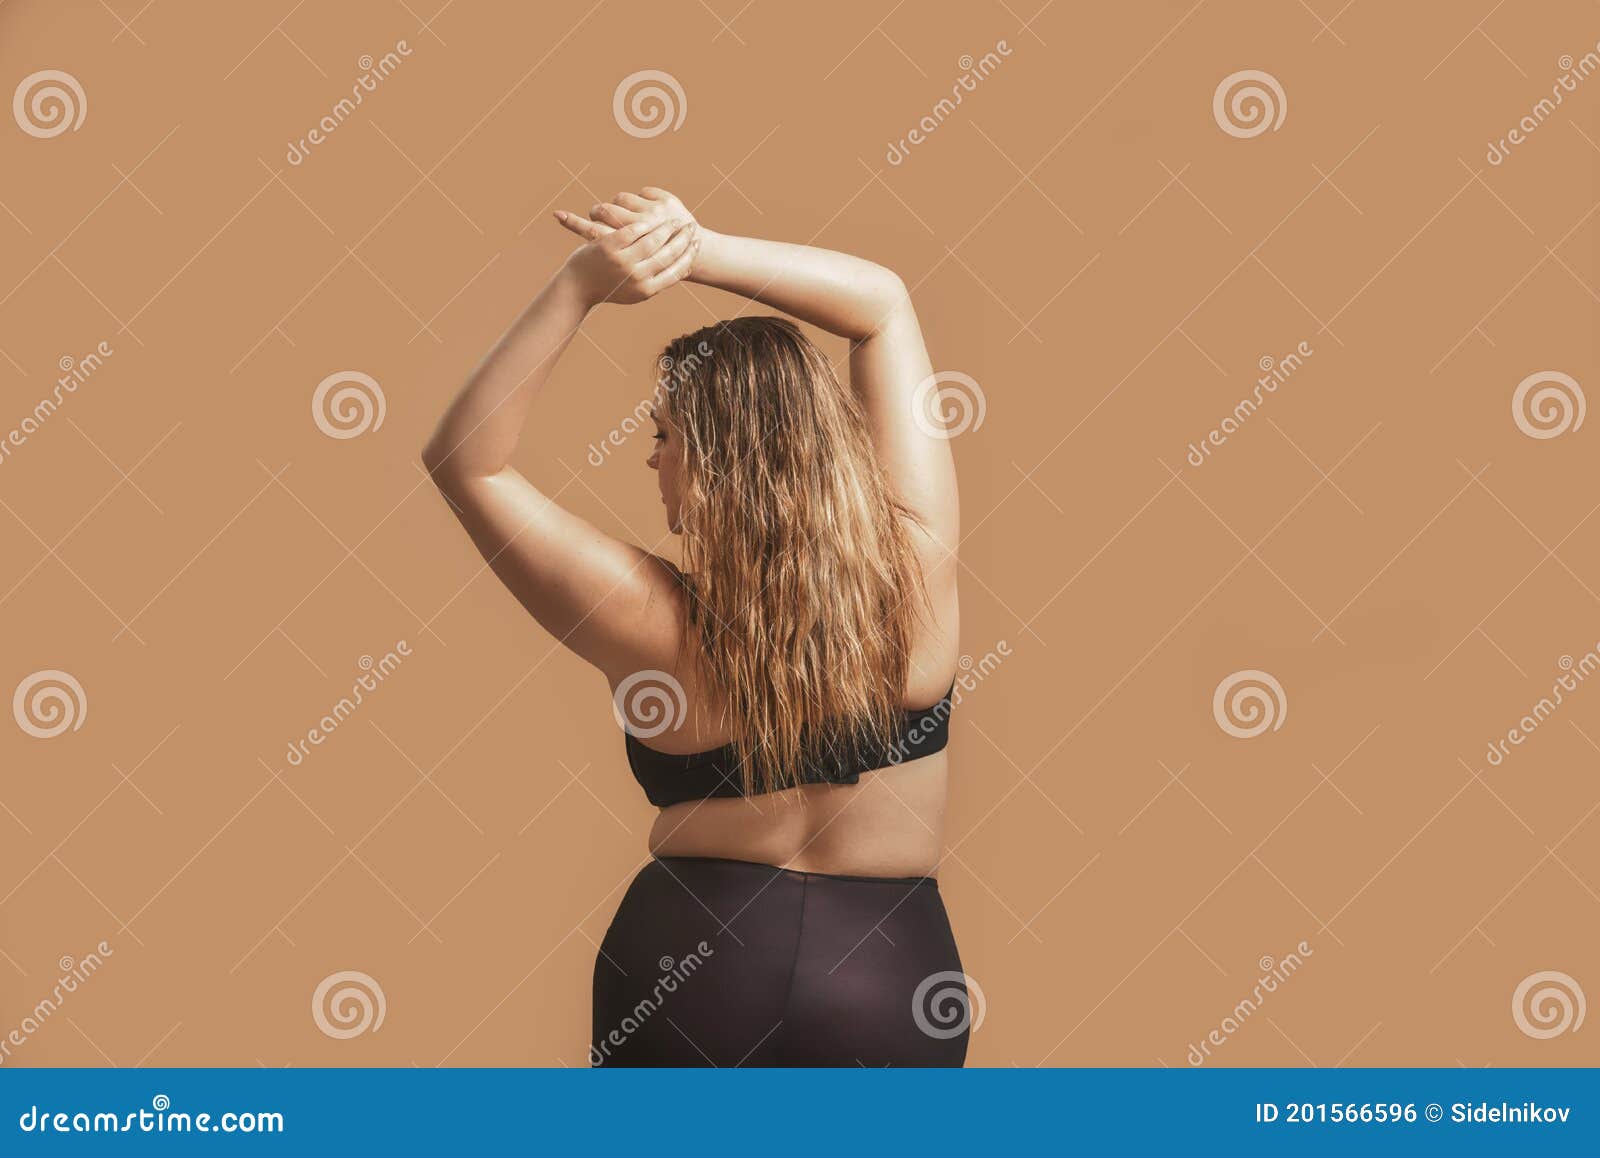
{"x":479,"y":431}
{"x":845,"y":295}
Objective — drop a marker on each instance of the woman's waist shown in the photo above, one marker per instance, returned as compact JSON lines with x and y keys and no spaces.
{"x":890,"y":825}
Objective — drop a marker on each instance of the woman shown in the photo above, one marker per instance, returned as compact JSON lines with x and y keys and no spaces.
{"x":803,"y":653}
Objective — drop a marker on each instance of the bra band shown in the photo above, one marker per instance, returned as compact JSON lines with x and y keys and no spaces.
{"x":715,"y":773}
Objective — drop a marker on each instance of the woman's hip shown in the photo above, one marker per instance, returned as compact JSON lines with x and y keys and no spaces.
{"x":721,"y":962}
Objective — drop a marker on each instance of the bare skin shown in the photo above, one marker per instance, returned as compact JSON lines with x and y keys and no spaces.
{"x":620,"y":607}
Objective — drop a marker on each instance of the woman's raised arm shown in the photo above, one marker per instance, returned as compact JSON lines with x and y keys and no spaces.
{"x":855,"y":299}
{"x":601,"y":597}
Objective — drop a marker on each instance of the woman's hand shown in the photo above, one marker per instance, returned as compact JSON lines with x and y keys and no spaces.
{"x":632,"y":263}
{"x":649,"y":204}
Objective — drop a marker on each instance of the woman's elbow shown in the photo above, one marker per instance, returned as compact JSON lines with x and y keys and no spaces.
{"x":890,"y":299}
{"x":434,"y":457}
{"x":443,"y":465}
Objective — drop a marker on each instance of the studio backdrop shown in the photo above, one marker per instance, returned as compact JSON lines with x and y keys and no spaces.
{"x":1264,"y":331}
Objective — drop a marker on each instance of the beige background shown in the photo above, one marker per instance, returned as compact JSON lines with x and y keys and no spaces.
{"x":1085,"y":241}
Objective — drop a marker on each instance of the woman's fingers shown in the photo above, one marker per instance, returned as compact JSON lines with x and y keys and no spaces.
{"x":582,"y":226}
{"x":612,"y":214}
{"x":661,"y":201}
{"x":625,"y":242}
{"x":669,"y":252}
{"x":631,"y":201}
{"x":673,"y":274}
{"x":645,"y":255}
{"x":657,"y":235}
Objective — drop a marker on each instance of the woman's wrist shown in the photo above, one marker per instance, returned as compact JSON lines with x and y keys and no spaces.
{"x":567,"y":288}
{"x":709,"y":261}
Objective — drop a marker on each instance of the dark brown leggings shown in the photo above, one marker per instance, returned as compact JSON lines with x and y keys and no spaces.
{"x":714,"y":962}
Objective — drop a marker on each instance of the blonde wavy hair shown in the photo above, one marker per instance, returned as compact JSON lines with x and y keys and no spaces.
{"x":804,"y":587}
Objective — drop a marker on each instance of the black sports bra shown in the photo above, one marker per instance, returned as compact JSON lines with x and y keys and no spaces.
{"x":668,"y":779}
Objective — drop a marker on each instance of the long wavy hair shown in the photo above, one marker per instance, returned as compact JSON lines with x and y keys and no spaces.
{"x":804,"y":587}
